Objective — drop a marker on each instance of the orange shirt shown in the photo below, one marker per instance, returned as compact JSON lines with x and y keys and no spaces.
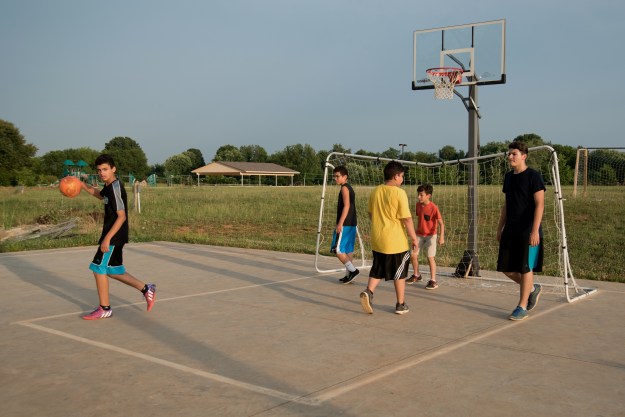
{"x":427,"y":219}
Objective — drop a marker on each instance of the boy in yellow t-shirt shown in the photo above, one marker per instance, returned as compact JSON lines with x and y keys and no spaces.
{"x":390,"y":215}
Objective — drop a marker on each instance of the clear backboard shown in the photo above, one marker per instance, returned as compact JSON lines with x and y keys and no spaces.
{"x":479,"y":49}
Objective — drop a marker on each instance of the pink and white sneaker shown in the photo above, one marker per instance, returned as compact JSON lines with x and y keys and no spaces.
{"x":150,"y":296}
{"x":98,"y":313}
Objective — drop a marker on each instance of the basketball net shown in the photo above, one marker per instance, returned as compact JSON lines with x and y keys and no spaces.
{"x":444,"y":80}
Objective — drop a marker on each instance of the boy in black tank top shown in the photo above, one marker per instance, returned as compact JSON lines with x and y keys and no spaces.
{"x":344,"y":234}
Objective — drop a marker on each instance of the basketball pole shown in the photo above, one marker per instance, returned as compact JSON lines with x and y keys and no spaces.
{"x":469,"y":264}
{"x":474,"y":146}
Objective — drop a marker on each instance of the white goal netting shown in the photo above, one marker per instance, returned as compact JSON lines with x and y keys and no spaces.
{"x":456,"y":199}
{"x":599,"y":171}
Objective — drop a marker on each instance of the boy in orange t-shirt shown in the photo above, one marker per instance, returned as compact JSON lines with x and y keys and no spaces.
{"x":428,"y":219}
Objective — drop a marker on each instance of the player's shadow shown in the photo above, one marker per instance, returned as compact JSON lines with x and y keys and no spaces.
{"x":56,"y":283}
{"x":464,"y":302}
{"x":196,"y":351}
{"x":287,"y":289}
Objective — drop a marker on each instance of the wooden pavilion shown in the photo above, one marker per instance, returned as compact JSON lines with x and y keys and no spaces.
{"x":245,"y":169}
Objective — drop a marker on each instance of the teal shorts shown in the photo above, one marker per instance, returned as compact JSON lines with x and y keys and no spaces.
{"x":532,"y":256}
{"x":108,"y":263}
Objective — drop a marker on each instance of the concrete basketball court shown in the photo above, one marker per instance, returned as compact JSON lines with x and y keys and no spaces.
{"x":238,"y":332}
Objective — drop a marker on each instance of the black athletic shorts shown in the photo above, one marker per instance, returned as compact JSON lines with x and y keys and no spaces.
{"x":390,"y":266}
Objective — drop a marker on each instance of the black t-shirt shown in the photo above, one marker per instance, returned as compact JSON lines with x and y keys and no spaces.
{"x":350,"y":220}
{"x":520,"y":189}
{"x":114,"y":198}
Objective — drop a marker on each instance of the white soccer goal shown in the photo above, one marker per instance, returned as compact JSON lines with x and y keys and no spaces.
{"x":453,"y":194}
{"x":599,"y":170}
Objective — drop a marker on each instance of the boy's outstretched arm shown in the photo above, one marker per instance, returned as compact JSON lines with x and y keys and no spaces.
{"x":91,"y":190}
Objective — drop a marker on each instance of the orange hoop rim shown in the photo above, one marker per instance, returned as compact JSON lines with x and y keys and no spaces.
{"x":444,"y":71}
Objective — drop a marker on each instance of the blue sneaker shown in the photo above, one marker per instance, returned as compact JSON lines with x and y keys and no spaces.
{"x":519,"y":313}
{"x":533,"y":298}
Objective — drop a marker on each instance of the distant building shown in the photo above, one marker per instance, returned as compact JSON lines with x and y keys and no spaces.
{"x":245,"y":169}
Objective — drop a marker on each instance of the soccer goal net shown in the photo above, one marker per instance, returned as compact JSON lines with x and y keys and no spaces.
{"x":470,"y":212}
{"x":599,"y":171}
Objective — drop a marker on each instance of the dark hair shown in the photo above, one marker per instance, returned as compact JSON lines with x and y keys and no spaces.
{"x":521,"y":146}
{"x":427,"y":188}
{"x":105,"y":159}
{"x":341,"y":170}
{"x":391,"y":169}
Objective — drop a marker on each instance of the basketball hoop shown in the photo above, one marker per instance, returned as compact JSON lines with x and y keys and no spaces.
{"x":444,"y":80}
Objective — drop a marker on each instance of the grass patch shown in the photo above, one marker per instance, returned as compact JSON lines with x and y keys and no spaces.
{"x":282,"y":219}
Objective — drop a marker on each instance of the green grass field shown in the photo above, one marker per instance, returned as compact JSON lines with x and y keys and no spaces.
{"x":284,"y":219}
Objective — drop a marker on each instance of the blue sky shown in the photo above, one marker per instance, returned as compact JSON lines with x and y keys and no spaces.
{"x":183,"y":74}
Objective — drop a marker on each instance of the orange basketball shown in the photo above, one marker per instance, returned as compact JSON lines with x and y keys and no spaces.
{"x":70,"y":186}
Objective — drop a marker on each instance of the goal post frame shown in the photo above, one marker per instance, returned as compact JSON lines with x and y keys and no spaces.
{"x":582,"y":166}
{"x":569,"y":279}
{"x":572,"y":291}
{"x":585,"y":171}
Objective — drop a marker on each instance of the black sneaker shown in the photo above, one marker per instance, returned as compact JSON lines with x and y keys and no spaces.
{"x":432,"y":285}
{"x":414,"y":278}
{"x":533,"y":298}
{"x":401,"y":308}
{"x":366,"y":300}
{"x":351,"y":276}
{"x":343,"y":279}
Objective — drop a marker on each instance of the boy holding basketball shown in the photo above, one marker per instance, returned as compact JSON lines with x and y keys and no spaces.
{"x":429,"y":218}
{"x":519,"y":230}
{"x":108,"y":261}
{"x":390,"y":214}
{"x":344,"y":234}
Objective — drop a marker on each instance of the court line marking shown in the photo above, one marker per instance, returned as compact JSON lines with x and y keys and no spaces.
{"x":377,"y":374}
{"x":320,"y":396}
{"x":163,"y":300}
{"x":208,"y":375}
{"x":323,"y":395}
{"x":135,"y":245}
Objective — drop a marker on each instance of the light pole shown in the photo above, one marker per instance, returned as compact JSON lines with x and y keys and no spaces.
{"x":403,"y":145}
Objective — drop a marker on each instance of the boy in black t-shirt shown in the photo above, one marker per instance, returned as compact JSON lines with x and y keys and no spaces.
{"x":519,"y":232}
{"x":108,"y":261}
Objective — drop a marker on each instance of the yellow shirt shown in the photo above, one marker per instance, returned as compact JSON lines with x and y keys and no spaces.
{"x":388,"y":205}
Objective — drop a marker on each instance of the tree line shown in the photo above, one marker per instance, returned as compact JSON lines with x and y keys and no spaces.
{"x":19,"y":164}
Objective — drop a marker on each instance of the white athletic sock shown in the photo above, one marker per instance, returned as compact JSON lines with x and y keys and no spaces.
{"x":350,"y":267}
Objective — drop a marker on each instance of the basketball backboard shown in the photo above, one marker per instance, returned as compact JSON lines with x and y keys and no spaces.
{"x":478,"y":48}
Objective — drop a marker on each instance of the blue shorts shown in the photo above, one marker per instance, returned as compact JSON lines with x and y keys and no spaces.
{"x":108,"y":263}
{"x":344,"y":242}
